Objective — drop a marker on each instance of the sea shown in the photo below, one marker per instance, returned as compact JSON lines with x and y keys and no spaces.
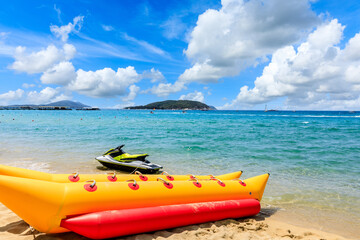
{"x":313,"y":157}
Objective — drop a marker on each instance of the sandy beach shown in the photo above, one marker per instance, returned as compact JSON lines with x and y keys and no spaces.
{"x":263,"y":226}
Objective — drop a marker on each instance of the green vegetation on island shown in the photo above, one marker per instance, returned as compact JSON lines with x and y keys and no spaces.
{"x":60,"y":105}
{"x":175,"y":105}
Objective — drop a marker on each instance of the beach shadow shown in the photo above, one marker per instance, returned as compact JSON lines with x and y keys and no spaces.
{"x":60,"y":236}
{"x":15,"y":227}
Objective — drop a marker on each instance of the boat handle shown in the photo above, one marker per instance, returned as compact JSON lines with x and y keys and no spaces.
{"x":195,"y":182}
{"x":141,"y":176}
{"x":113,"y":174}
{"x":93,"y":184}
{"x":240,"y":181}
{"x":168,"y":176}
{"x":192,"y":176}
{"x":138,"y":173}
{"x":76,"y":174}
{"x":221,"y":183}
{"x":163,"y":181}
{"x":212,"y":177}
{"x":132,"y":180}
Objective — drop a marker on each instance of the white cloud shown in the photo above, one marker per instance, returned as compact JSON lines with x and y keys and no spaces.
{"x":46,"y":95}
{"x":27,"y":85}
{"x":61,"y":74}
{"x":105,"y":82}
{"x":5,"y":98}
{"x":58,"y":12}
{"x":64,"y":31}
{"x":194,"y":96}
{"x":173,"y":27}
{"x":132,"y":94}
{"x":37,"y":62}
{"x":164,"y":89}
{"x":149,"y":47}
{"x":154,"y":75}
{"x":228,"y":40}
{"x":123,"y":105}
{"x":107,"y":28}
{"x":316,"y":75}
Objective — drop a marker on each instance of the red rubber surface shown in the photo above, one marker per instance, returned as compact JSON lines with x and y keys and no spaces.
{"x":115,"y":223}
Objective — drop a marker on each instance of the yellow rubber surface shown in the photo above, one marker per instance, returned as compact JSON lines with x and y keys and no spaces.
{"x":42,"y":204}
{"x":64,"y":178}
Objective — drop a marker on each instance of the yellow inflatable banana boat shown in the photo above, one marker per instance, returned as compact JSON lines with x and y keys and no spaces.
{"x":43,"y":204}
{"x":111,"y":177}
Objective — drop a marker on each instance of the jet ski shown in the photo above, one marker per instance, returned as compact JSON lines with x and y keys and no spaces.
{"x":116,"y":158}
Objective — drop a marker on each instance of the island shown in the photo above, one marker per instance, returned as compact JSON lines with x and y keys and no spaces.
{"x":60,"y":105}
{"x":175,"y":105}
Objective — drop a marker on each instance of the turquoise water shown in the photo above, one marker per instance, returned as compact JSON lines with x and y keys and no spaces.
{"x":313,"y":157}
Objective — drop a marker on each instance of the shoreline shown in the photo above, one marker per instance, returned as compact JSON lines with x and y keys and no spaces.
{"x":265,"y":225}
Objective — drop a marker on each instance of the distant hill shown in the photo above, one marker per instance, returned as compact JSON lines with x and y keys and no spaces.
{"x":60,"y":105}
{"x":175,"y":104}
{"x":67,"y":103}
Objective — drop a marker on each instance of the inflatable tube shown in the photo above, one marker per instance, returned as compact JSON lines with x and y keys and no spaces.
{"x":44,"y":204}
{"x":111,"y":177}
{"x":116,"y":223}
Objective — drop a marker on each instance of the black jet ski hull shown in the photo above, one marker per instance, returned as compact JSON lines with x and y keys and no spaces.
{"x":129,"y":169}
{"x":129,"y":166}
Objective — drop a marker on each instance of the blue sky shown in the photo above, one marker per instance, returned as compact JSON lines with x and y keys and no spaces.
{"x":287,"y":54}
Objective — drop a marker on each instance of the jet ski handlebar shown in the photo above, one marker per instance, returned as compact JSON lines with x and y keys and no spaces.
{"x":119,"y":147}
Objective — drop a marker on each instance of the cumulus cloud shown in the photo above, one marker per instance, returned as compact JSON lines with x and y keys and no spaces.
{"x":5,"y":98}
{"x":164,"y":89}
{"x":153,"y":75}
{"x":64,"y":31}
{"x":194,"y":96}
{"x":316,"y":75}
{"x":46,"y":95}
{"x":227,"y":40}
{"x":105,"y":82}
{"x":132,"y":94}
{"x":37,"y":62}
{"x":61,"y":74}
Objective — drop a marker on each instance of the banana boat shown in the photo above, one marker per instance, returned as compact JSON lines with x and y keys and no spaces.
{"x":46,"y":205}
{"x":111,"y":177}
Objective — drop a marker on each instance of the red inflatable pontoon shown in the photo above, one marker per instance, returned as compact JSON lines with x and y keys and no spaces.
{"x":115,"y":223}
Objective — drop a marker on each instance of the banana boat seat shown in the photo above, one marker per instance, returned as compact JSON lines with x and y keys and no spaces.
{"x":111,"y":177}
